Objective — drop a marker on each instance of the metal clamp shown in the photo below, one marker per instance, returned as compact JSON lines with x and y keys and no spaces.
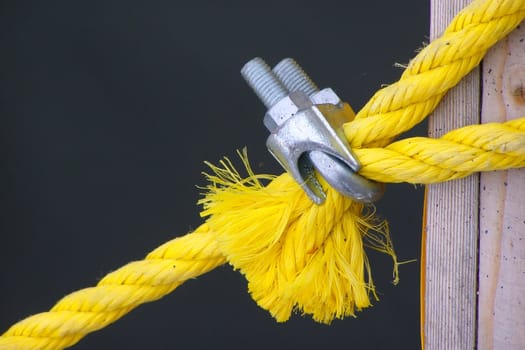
{"x":303,"y":138}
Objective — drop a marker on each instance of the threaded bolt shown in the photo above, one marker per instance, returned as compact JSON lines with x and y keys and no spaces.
{"x":294,"y":77}
{"x":263,"y":82}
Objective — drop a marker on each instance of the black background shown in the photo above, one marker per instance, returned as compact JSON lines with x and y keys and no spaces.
{"x":108,"y":110}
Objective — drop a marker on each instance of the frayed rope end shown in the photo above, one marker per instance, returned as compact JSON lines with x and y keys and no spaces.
{"x":295,"y":254}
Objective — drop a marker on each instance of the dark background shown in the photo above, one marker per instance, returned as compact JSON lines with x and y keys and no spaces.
{"x":108,"y":110}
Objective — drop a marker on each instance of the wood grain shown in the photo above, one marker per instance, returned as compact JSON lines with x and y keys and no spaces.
{"x":502,"y":207}
{"x":451,"y":231}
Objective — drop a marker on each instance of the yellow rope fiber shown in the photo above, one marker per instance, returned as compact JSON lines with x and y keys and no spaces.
{"x":295,"y":254}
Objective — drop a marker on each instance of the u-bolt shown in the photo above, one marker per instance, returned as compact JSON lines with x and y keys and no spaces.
{"x":302,"y":138}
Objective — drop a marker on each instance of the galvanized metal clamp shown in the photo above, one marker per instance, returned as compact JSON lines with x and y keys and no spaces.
{"x":306,"y":131}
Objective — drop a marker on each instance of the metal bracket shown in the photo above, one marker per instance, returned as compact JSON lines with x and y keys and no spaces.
{"x":303,"y":138}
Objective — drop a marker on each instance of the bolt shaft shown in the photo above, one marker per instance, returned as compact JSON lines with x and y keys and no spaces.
{"x":263,"y":82}
{"x":294,"y":77}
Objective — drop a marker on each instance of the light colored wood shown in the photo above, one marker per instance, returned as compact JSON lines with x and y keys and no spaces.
{"x":502,"y":207}
{"x":451,"y":229}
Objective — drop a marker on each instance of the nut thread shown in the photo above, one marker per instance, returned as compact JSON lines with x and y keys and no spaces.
{"x":263,"y":82}
{"x":294,"y":77}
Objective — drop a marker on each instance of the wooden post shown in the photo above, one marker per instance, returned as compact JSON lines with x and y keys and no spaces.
{"x":451,"y":232}
{"x":502,"y":207}
{"x":454,"y":317}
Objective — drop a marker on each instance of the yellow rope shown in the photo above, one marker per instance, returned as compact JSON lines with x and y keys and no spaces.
{"x":297,"y":255}
{"x":457,"y":154}
{"x":119,"y":292}
{"x":437,"y":68}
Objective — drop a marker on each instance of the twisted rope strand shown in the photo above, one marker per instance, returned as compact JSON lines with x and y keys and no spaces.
{"x":457,"y":154}
{"x":119,"y":292}
{"x":437,"y":68}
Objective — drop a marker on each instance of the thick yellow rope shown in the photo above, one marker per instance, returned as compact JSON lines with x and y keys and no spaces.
{"x":297,"y":255}
{"x":119,"y":292}
{"x":437,"y":68}
{"x":457,"y":154}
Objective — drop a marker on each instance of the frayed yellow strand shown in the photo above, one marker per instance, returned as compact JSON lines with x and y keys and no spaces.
{"x":295,"y":255}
